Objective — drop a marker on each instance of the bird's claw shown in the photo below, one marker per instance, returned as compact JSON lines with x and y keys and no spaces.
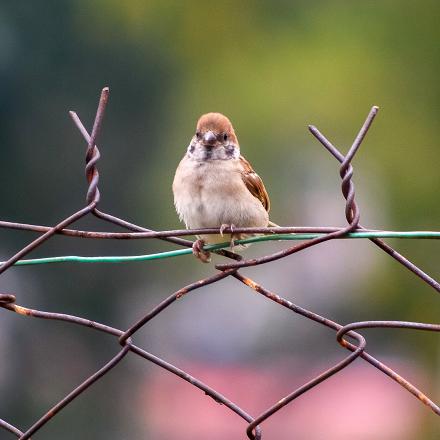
{"x":199,"y":252}
{"x":231,"y":227}
{"x":222,"y":228}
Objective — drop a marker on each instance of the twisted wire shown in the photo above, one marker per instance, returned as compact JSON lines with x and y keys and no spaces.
{"x":356,"y":345}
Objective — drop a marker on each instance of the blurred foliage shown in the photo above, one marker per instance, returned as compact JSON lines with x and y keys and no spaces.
{"x":273,"y":68}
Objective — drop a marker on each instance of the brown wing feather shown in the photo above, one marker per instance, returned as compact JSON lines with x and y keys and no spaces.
{"x":254,"y":183}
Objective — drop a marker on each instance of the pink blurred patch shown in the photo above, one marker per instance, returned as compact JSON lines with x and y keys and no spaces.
{"x":359,"y":403}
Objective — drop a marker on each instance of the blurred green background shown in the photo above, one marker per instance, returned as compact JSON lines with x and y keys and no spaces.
{"x":273,"y":68}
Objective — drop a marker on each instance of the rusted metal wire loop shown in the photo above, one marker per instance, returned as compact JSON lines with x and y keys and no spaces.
{"x":339,"y":328}
{"x":6,"y":301}
{"x":385,"y":324}
{"x":356,"y":352}
{"x":357,"y":342}
{"x":377,"y":241}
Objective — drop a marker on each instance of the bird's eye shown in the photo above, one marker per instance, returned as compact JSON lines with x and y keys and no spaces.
{"x":225,"y":136}
{"x":198,"y":134}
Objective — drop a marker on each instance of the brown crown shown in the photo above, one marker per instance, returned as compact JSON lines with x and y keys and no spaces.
{"x":217,"y":123}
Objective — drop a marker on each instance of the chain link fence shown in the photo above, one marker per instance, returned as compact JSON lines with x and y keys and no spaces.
{"x":346,"y":335}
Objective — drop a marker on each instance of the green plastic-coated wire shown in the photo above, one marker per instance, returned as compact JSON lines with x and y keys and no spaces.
{"x":261,"y":238}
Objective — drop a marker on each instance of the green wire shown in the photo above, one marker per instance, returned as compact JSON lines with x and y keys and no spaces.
{"x":179,"y":252}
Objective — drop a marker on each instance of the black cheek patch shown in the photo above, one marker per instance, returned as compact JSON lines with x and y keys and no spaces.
{"x":192,"y":148}
{"x":230,"y":150}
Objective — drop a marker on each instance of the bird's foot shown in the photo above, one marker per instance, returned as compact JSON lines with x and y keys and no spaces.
{"x":199,"y":252}
{"x":232,"y":227}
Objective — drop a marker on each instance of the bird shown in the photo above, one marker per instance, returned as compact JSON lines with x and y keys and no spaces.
{"x":216,"y":187}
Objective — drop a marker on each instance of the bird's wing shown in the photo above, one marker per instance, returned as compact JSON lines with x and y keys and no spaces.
{"x":254,"y":183}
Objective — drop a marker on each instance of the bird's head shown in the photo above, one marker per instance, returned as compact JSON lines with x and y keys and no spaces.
{"x":214,"y":139}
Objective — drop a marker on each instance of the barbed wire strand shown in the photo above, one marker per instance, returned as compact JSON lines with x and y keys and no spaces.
{"x":322,"y":234}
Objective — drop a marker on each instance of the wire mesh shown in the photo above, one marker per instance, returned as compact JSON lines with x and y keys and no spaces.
{"x":346,"y":335}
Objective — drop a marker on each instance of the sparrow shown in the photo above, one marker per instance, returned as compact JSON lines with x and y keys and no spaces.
{"x":216,"y":187}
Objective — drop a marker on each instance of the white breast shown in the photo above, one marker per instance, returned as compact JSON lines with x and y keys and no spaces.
{"x":212,"y":193}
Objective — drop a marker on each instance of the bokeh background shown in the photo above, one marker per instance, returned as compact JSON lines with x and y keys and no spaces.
{"x":273,"y":68}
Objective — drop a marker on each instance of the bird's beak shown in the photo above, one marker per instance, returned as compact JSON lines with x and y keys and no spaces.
{"x":209,"y":139}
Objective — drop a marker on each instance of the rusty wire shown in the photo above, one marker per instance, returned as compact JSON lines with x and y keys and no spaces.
{"x":356,"y":345}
